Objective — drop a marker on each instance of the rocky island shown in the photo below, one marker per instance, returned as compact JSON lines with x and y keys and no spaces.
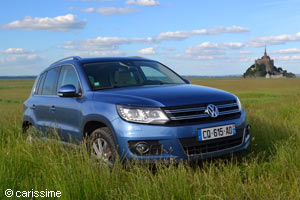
{"x":264,"y":67}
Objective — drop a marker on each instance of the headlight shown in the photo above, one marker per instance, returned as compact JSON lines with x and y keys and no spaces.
{"x":142,"y":115}
{"x":238,"y":103}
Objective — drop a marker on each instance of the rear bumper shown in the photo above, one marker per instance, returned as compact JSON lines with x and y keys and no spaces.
{"x":172,"y":142}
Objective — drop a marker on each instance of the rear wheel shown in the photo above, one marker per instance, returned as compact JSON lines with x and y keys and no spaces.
{"x":28,"y":132}
{"x":102,"y":146}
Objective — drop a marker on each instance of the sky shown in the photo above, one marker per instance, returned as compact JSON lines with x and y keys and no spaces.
{"x":193,"y":37}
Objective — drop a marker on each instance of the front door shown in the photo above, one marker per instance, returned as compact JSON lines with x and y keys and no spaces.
{"x":67,"y":114}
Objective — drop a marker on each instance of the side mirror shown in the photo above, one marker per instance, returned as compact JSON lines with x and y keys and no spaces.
{"x":187,"y":81}
{"x":67,"y":91}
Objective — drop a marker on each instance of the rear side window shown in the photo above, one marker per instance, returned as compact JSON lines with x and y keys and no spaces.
{"x":49,"y":87}
{"x":68,"y":76}
{"x":38,"y":89}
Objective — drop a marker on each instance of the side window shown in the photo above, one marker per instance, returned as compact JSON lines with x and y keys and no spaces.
{"x":49,"y":87}
{"x":68,"y":76}
{"x":39,"y":86}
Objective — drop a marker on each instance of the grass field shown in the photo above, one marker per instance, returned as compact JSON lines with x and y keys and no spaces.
{"x":269,"y":169}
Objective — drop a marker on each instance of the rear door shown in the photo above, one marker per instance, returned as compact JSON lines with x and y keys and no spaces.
{"x":45,"y":98}
{"x":35,"y":101}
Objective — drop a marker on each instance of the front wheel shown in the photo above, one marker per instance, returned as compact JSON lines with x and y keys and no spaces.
{"x":102,"y":146}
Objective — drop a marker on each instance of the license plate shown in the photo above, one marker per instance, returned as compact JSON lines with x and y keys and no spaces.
{"x":216,"y":132}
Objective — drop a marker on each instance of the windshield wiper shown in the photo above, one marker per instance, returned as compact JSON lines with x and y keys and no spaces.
{"x":161,"y":83}
{"x":115,"y":86}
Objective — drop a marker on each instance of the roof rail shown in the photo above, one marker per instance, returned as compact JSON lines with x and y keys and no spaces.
{"x":135,"y":56}
{"x":67,"y":58}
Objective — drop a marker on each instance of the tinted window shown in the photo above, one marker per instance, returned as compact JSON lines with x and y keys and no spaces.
{"x":39,"y":86}
{"x":49,"y":87}
{"x":68,"y":76}
{"x":104,"y":75}
{"x":153,"y":74}
{"x":111,"y":74}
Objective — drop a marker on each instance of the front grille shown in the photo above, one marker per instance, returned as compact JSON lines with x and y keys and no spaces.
{"x":192,"y":146}
{"x":192,"y":114}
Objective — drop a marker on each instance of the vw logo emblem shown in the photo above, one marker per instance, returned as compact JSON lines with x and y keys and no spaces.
{"x":212,"y":110}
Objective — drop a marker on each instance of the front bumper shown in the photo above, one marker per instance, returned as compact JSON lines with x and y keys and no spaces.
{"x":171,"y":139}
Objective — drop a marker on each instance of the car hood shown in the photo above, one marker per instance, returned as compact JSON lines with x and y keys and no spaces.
{"x":163,"y":95}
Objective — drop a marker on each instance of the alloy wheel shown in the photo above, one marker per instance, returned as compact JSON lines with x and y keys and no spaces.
{"x":102,"y":151}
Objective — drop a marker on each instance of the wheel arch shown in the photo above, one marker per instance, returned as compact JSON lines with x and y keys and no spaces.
{"x":26,"y":123}
{"x":94,"y":123}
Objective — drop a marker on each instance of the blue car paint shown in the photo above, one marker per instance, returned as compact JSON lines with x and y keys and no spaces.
{"x":168,"y":136}
{"x":71,"y":114}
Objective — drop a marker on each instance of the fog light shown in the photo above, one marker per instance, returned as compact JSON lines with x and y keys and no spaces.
{"x":248,"y":128}
{"x":142,"y":147}
{"x":247,"y":138}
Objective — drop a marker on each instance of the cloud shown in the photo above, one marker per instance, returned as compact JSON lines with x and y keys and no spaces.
{"x":148,"y":51}
{"x":23,"y":64}
{"x":207,"y":48}
{"x":289,"y":58}
{"x":95,"y":53}
{"x":143,"y":2}
{"x":20,"y":59}
{"x":88,"y":10}
{"x":169,"y":48}
{"x":109,"y":10}
{"x":204,"y":57}
{"x":194,"y":57}
{"x":103,"y":43}
{"x":95,"y":0}
{"x":245,"y":59}
{"x":113,"y":10}
{"x":180,"y":35}
{"x":57,"y":24}
{"x":244,"y":52}
{"x":273,"y":40}
{"x":16,"y":51}
{"x":286,"y":51}
{"x":209,"y":51}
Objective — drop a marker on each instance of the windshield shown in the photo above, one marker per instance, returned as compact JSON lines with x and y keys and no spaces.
{"x":104,"y":75}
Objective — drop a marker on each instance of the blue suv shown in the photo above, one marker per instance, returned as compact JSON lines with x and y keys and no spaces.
{"x":134,"y":107}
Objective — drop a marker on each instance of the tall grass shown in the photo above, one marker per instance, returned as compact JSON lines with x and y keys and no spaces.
{"x":269,"y":169}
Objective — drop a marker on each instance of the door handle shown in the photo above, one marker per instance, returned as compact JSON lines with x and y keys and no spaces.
{"x":52,"y":108}
{"x":33,"y":106}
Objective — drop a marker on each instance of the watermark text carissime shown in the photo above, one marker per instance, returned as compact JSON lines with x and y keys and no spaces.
{"x":32,"y":193}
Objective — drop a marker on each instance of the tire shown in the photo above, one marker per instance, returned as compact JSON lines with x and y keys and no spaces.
{"x":28,"y":133}
{"x":102,"y":146}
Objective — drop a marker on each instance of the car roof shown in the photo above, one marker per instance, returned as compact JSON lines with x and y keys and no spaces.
{"x":99,"y":59}
{"x":74,"y":59}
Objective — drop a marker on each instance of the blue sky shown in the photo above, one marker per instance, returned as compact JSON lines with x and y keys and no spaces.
{"x":192,"y":37}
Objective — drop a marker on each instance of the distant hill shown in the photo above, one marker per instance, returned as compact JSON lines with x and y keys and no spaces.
{"x":219,"y":76}
{"x":18,"y":77}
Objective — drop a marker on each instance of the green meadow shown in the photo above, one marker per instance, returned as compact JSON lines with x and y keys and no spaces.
{"x":269,"y":169}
